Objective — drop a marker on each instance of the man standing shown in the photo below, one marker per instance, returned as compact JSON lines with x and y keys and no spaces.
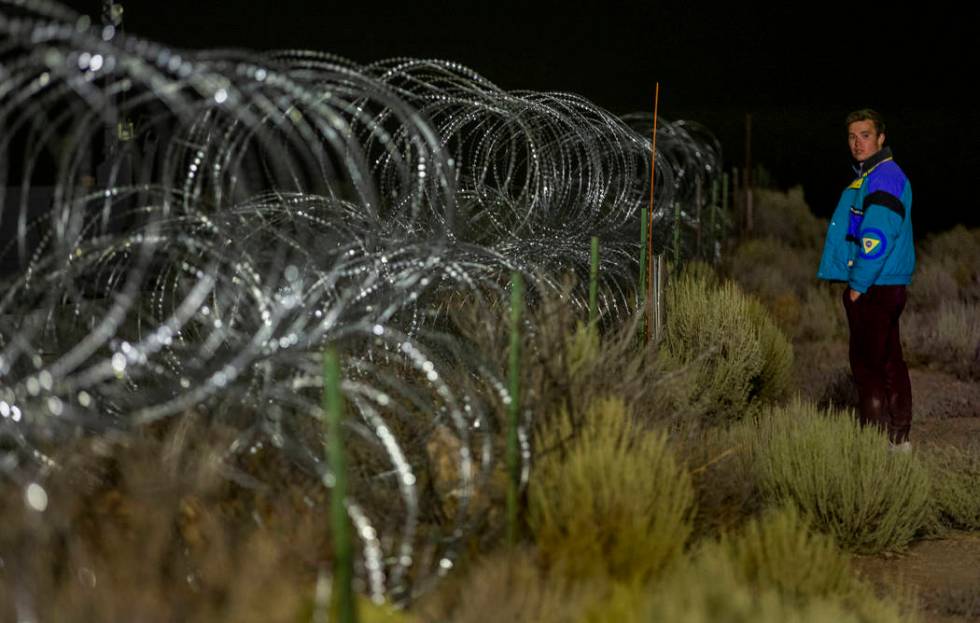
{"x":869,"y":246}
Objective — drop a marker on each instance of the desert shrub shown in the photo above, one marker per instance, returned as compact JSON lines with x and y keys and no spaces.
{"x":948,"y":338}
{"x":712,"y":587}
{"x":773,"y":569}
{"x":842,"y":477}
{"x":785,"y":216}
{"x":918,"y":333}
{"x":955,"y":480}
{"x":506,"y":586}
{"x":769,"y":267}
{"x":958,"y":329}
{"x":701,"y":271}
{"x":720,"y":463}
{"x":839,"y":390}
{"x":154,"y":530}
{"x":821,"y":315}
{"x":958,"y":249}
{"x":786,"y":310}
{"x":582,"y":351}
{"x":367,"y":612}
{"x":737,"y":358}
{"x":775,"y":378}
{"x":512,"y":586}
{"x":784,"y":279}
{"x":932,"y":284}
{"x":608,"y":498}
{"x":567,"y":365}
{"x":780,"y":550}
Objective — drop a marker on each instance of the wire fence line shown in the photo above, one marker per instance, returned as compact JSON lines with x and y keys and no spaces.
{"x":190,"y":230}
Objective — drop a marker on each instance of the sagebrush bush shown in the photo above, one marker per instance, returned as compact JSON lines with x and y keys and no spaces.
{"x":773,"y":382}
{"x":958,"y":329}
{"x":769,"y":267}
{"x":841,"y":476}
{"x":958,"y":249}
{"x":367,"y":612}
{"x":701,"y":271}
{"x":507,"y":586}
{"x":955,"y":479}
{"x":607,"y":497}
{"x":784,"y":279}
{"x":720,"y":463}
{"x":582,"y":350}
{"x":567,"y":364}
{"x":947,"y":338}
{"x":822,"y":314}
{"x":711,"y":588}
{"x":932,"y":284}
{"x":772,"y":569}
{"x":786,"y":216}
{"x":737,"y":357}
{"x":781,"y":551}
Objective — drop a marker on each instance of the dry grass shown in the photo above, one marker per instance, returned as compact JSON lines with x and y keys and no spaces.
{"x":156,"y":531}
{"x":508,"y":586}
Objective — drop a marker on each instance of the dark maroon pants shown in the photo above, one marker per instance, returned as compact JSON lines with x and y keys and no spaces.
{"x":882,"y":378}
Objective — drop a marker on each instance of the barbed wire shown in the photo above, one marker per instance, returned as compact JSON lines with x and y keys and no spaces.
{"x":189,"y":230}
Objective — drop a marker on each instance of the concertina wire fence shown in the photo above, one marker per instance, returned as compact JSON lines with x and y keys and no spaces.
{"x":189,"y":230}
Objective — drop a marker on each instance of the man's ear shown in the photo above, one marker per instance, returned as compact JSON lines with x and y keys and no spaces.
{"x":881,"y":140}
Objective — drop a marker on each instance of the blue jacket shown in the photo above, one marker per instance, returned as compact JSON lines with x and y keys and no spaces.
{"x":869,"y":240}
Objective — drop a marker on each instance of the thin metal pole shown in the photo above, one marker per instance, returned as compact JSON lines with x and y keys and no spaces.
{"x":333,"y":406}
{"x":514,"y":408}
{"x":594,"y":283}
{"x":641,"y":288}
{"x":697,"y":215}
{"x":713,"y":221}
{"x":748,"y":173}
{"x":677,"y":236}
{"x":653,"y":166}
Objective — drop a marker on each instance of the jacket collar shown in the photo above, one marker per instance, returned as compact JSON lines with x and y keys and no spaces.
{"x":861,"y":168}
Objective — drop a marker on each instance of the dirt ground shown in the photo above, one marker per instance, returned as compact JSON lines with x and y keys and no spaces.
{"x":943,"y":574}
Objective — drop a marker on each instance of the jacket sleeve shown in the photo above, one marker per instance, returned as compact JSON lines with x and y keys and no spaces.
{"x":883,"y":216}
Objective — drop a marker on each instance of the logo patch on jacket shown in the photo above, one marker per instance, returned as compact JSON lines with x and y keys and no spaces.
{"x":873,"y":243}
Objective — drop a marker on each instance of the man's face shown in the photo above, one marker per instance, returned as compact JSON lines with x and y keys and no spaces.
{"x":864,"y":140}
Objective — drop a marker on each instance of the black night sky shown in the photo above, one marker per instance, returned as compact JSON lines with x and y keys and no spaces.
{"x":798,"y":71}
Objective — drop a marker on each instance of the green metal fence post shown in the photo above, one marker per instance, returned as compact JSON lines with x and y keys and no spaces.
{"x":594,"y":283}
{"x":514,"y":408}
{"x":677,"y":236}
{"x":333,"y":407}
{"x":641,"y":291}
{"x":713,"y":220}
